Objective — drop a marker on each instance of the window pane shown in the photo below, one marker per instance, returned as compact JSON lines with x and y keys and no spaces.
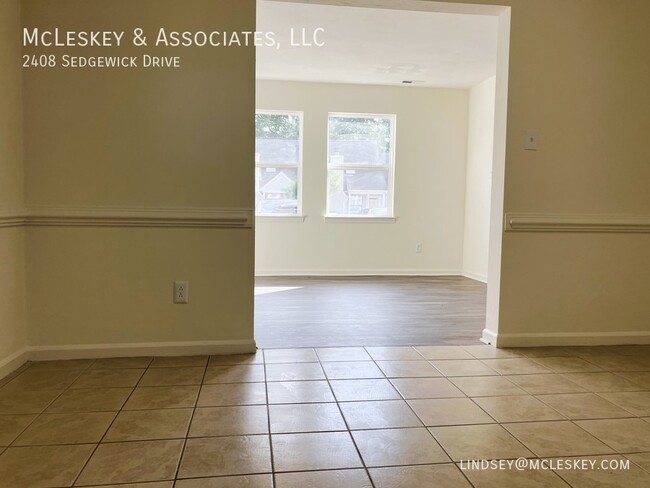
{"x":360,"y":140}
{"x":277,"y":138}
{"x":358,"y":192}
{"x":276,"y":191}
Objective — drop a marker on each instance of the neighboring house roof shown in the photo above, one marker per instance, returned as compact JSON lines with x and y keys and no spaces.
{"x":362,"y":151}
{"x":281,"y":183}
{"x":277,"y":150}
{"x":366,"y":181}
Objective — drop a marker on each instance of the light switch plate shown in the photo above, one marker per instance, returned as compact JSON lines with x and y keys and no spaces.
{"x":532,"y":140}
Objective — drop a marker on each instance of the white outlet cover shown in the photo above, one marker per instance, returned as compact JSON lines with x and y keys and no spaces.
{"x":532,"y":140}
{"x":181,"y":291}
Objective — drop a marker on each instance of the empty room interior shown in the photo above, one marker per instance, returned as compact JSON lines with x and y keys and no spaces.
{"x":324,"y":243}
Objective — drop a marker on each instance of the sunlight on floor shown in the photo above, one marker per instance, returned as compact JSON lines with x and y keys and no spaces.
{"x":265,"y":290}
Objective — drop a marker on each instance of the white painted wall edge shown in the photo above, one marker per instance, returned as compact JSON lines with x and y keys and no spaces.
{"x":525,"y":222}
{"x":566,"y":339}
{"x":474,"y":276}
{"x":185,"y":217}
{"x":96,"y":351}
{"x":357,"y":272}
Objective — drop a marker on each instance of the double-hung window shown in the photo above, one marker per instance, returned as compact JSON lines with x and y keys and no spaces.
{"x":360,"y":165}
{"x":278,"y":160}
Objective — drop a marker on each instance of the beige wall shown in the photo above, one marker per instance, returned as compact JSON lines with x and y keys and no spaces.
{"x":13,"y":335}
{"x":140,"y":138}
{"x":478,"y":184}
{"x":578,"y":75}
{"x":431,"y":144}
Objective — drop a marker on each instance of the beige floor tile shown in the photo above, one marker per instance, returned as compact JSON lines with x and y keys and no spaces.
{"x":478,"y":386}
{"x":349,"y":370}
{"x":607,"y":478}
{"x":601,"y":382}
{"x":172,"y":376}
{"x":398,"y":447}
{"x":226,"y":456}
{"x":619,"y":363}
{"x":394,"y":354}
{"x":443,"y":352}
{"x":247,"y":373}
{"x":466,"y":442}
{"x":232,"y":394}
{"x":567,"y":365}
{"x":306,"y":417}
{"x":235,"y":359}
{"x":463,"y":367}
{"x":69,"y":364}
{"x":66,"y":428}
{"x":640,"y":459}
{"x":12,"y":425}
{"x":624,"y":435}
{"x":179,"y":361}
{"x":438,"y":475}
{"x":142,"y":425}
{"x":41,"y":467}
{"x":411,"y":388}
{"x":300,"y":392}
{"x":515,"y":366}
{"x":636,"y":402}
{"x":90,"y":400}
{"x":294,"y":372}
{"x":494,"y":478}
{"x":155,"y":484}
{"x":540,"y":384}
{"x":348,"y":478}
{"x":122,"y":363}
{"x":313,"y":452}
{"x":132,"y":462}
{"x":449,"y":411}
{"x":555,"y":439}
{"x":517,"y":409}
{"x":582,"y":351}
{"x":408,"y":369}
{"x":385,"y":414}
{"x":640,"y":378}
{"x":306,"y":355}
{"x":342,"y":354}
{"x":108,"y":378}
{"x":26,"y":402}
{"x":360,"y":390}
{"x":222,"y":421}
{"x":633,"y":350}
{"x":548,"y":351}
{"x":583,"y":406}
{"x":155,"y":397}
{"x":247,"y":481}
{"x":490,"y":352}
{"x":42,"y":380}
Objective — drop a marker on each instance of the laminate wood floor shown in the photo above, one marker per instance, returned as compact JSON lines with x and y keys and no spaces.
{"x":368,"y":311}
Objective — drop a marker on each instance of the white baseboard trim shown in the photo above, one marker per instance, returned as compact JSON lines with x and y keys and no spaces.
{"x":489,"y":337}
{"x":13,"y":362}
{"x":84,"y":351}
{"x":567,"y":339}
{"x":357,"y":272}
{"x":475,"y":276}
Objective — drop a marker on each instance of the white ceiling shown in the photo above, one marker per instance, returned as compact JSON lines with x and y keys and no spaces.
{"x":378,"y":46}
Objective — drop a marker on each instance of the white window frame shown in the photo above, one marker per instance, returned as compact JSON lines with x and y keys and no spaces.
{"x":390,"y":198}
{"x":297,"y":166}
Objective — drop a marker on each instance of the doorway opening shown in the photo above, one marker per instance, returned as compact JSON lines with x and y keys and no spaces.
{"x":380,"y":153}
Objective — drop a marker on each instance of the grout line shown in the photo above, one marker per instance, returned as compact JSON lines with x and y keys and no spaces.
{"x":268,"y":419}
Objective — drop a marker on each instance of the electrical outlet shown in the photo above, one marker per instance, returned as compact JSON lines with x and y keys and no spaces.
{"x":181,"y":291}
{"x":418,"y":248}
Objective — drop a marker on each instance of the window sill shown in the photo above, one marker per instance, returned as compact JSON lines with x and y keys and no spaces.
{"x":331,"y":219}
{"x":280,"y":218}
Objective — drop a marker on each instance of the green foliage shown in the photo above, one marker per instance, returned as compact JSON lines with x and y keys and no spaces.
{"x":361,"y":128}
{"x":276,"y":126}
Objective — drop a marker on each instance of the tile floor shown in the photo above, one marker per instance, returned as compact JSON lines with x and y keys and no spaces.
{"x":375,"y":417}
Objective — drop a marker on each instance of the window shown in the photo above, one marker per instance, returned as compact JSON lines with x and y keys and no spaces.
{"x":360,"y":163}
{"x":278,"y":159}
